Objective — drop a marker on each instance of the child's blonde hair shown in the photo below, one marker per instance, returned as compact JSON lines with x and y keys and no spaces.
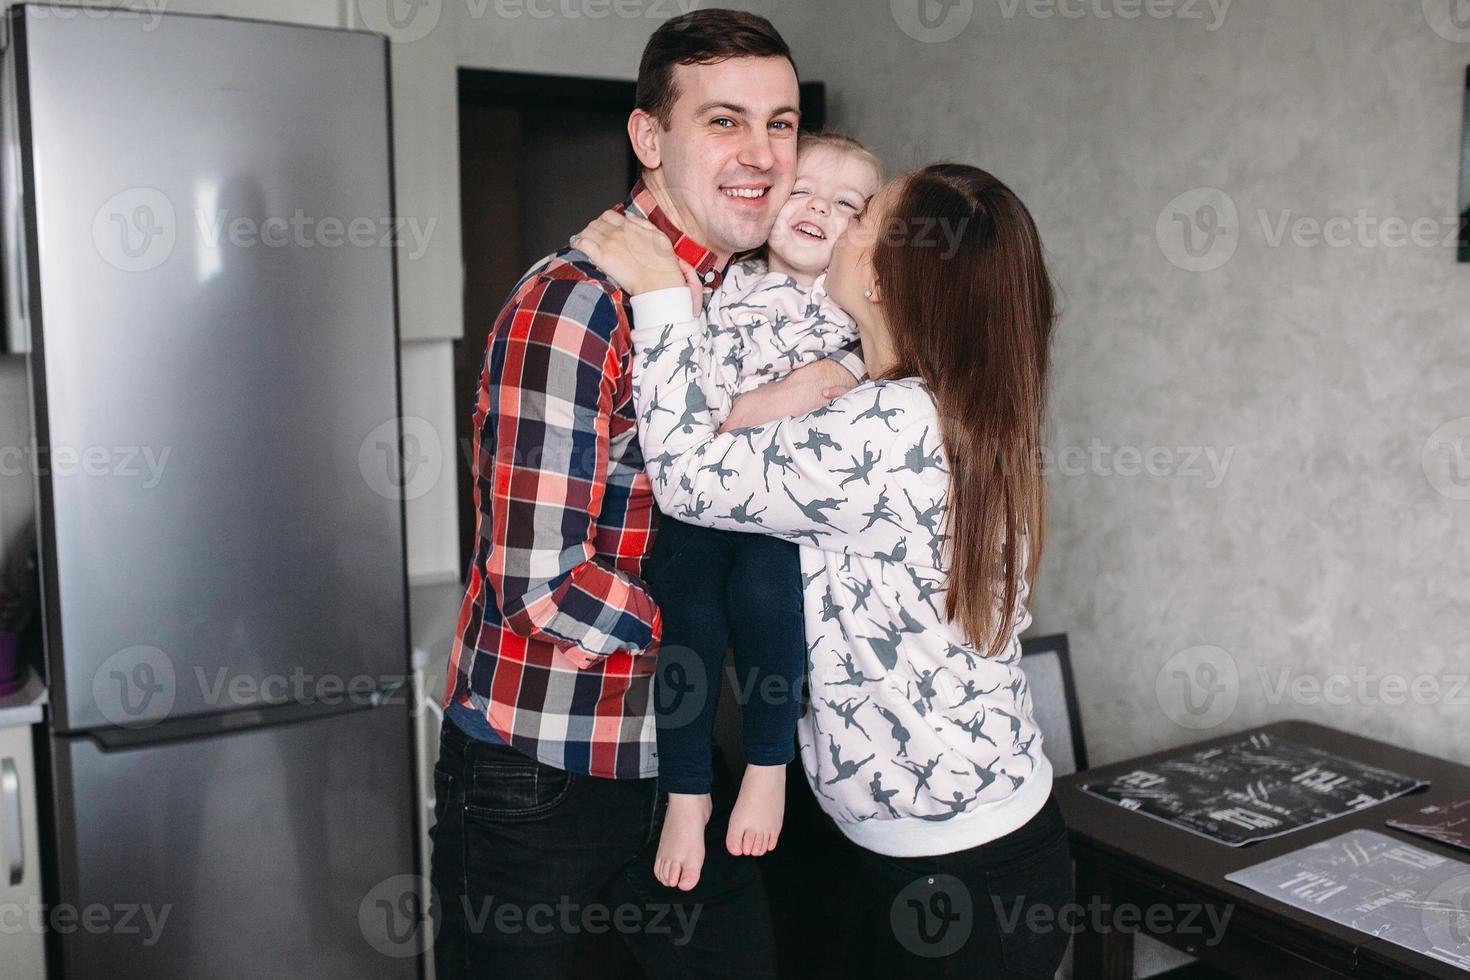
{"x":838,"y":141}
{"x":829,"y":138}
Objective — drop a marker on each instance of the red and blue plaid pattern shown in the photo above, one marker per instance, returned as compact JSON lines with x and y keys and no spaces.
{"x":555,"y":616}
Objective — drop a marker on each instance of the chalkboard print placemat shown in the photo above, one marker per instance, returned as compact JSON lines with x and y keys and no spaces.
{"x":1260,"y":787}
{"x":1448,"y":823}
{"x":1379,"y":885}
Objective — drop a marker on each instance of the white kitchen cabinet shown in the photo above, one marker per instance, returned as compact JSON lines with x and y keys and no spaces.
{"x":22,"y":946}
{"x":426,"y":162}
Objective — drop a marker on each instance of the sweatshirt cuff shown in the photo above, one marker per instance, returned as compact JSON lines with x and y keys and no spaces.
{"x":852,"y":360}
{"x":661,"y":307}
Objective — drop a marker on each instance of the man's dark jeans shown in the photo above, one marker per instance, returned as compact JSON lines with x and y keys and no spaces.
{"x":527,"y":857}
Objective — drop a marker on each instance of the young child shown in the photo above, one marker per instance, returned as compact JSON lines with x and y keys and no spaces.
{"x":767,"y":318}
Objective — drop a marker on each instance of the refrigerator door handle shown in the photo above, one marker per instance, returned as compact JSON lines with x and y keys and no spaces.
{"x":435,"y":709}
{"x":431,"y":799}
{"x":15,"y":851}
{"x":15,"y":334}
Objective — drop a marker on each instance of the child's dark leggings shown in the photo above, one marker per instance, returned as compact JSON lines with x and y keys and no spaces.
{"x":717,"y":588}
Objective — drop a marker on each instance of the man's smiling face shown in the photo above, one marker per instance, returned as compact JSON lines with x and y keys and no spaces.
{"x":725,"y":165}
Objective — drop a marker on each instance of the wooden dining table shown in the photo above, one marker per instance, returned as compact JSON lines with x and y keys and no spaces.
{"x":1138,"y":874}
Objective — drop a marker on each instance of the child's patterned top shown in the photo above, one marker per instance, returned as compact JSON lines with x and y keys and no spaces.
{"x":763,"y":325}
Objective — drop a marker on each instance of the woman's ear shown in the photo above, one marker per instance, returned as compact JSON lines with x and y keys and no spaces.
{"x":873,"y":294}
{"x":643,"y":134}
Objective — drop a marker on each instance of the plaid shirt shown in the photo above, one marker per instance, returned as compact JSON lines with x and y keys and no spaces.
{"x":555,"y":614}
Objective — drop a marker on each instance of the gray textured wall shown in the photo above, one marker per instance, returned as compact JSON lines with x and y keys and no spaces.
{"x":1305,"y":551}
{"x":1328,"y":545}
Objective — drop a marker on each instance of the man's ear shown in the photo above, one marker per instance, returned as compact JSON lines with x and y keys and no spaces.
{"x":643,"y":130}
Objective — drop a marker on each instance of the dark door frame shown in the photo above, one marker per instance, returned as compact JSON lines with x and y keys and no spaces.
{"x":524,"y":90}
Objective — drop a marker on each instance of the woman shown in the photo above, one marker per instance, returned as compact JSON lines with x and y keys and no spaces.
{"x":918,"y":501}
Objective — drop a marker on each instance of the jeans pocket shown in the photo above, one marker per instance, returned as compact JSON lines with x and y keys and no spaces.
{"x":514,"y":790}
{"x":1028,"y":898}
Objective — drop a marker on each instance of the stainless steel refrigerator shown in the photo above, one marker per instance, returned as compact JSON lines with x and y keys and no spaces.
{"x":199,"y":260}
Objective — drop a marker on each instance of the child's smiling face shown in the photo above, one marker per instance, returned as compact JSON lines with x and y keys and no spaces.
{"x":831,"y":186}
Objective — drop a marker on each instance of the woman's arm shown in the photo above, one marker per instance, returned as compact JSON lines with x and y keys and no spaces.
{"x":863,"y":474}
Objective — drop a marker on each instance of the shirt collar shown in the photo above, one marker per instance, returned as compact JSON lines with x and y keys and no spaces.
{"x":641,"y":202}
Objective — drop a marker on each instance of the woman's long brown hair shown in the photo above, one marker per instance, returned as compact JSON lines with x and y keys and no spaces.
{"x":970,"y":307}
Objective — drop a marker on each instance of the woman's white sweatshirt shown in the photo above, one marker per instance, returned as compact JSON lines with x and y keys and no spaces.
{"x":913,"y":742}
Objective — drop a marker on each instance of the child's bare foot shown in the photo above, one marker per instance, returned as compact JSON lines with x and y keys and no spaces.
{"x":681,"y":842}
{"x":755,"y":823}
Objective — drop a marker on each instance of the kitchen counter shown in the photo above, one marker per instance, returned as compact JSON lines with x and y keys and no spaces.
{"x":25,"y":706}
{"x":433,"y":612}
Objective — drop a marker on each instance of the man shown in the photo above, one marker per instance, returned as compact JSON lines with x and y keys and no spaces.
{"x":548,"y":809}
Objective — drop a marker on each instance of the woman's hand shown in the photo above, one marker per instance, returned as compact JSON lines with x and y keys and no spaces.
{"x":638,"y":256}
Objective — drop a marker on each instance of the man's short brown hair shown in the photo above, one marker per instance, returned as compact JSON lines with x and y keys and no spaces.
{"x":700,"y":37}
